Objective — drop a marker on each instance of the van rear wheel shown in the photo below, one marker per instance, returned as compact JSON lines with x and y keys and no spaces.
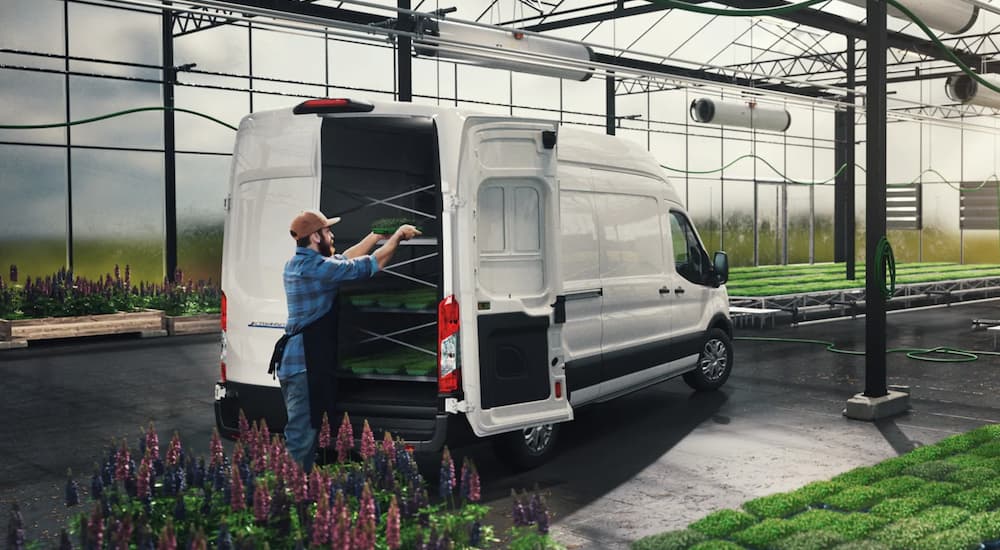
{"x":715,"y":362}
{"x":528,"y":448}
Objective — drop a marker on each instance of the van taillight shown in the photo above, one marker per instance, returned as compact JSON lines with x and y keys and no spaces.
{"x":222,"y":310}
{"x":448,"y":366}
{"x":339,"y":105}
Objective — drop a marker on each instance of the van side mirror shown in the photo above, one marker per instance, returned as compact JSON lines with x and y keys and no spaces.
{"x":721,"y":264}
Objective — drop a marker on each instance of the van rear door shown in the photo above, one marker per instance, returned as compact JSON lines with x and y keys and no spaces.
{"x":508,"y":170}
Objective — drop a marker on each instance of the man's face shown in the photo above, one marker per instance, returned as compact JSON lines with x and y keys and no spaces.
{"x":326,"y":242}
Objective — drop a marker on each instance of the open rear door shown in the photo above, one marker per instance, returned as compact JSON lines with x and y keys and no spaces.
{"x":514,"y":373}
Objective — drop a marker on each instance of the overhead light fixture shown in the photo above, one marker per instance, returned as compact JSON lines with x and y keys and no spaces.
{"x":445,"y":39}
{"x":950,"y":16}
{"x":747,"y":114}
{"x":965,"y":89}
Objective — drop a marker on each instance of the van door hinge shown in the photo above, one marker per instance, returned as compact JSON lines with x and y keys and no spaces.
{"x":452,"y":202}
{"x":226,"y":202}
{"x":454,"y":406}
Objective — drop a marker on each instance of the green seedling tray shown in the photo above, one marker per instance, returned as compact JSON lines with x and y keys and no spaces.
{"x":388,"y":226}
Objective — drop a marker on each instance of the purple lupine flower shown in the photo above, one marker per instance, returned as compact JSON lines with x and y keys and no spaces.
{"x":168,"y":538}
{"x":224,"y":541}
{"x":118,"y":274}
{"x":261,"y":503}
{"x":216,"y":448}
{"x":475,"y":533}
{"x":520,"y":511}
{"x":541,"y":515}
{"x":320,"y":529}
{"x":345,"y":439}
{"x":366,"y":510}
{"x":142,"y":481}
{"x":244,"y":428}
{"x":389,"y":447}
{"x":463,"y":480}
{"x":121,"y":533}
{"x":72,"y":490}
{"x":447,"y":476}
{"x":324,"y":433}
{"x":128,"y":277}
{"x":475,"y":491}
{"x":13,"y":273}
{"x":122,"y":462}
{"x":180,"y":509}
{"x":95,"y":528}
{"x":314,"y":485}
{"x":238,"y":453}
{"x":236,"y":496}
{"x":300,"y":487}
{"x":174,"y":451}
{"x":392,"y":525}
{"x":367,"y":442}
{"x":15,"y":529}
{"x":152,"y":442}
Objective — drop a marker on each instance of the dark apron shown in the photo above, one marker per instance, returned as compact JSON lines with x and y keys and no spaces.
{"x":319,"y":340}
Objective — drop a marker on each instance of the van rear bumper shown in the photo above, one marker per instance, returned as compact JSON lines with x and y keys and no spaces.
{"x":427,"y":434}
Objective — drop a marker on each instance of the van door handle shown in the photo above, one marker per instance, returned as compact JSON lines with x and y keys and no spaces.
{"x":664,"y":290}
{"x":679,"y":290}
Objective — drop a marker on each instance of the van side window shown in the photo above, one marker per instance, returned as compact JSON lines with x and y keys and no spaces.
{"x":690,"y":258}
{"x":631,"y":241}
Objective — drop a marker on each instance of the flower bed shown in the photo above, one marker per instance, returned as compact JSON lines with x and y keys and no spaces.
{"x":258,"y":497}
{"x":148,"y":322}
{"x":936,"y":497}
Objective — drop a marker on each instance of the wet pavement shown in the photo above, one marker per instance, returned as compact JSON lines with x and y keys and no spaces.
{"x":651,"y":461}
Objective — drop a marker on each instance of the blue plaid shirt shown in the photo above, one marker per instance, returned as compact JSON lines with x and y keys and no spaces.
{"x":311,"y":283}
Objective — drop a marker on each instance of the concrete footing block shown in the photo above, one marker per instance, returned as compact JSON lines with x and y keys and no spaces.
{"x":13,"y":344}
{"x":153,"y":334}
{"x":862,"y":407}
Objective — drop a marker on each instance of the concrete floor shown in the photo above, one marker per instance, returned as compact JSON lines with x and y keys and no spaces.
{"x":651,"y":461}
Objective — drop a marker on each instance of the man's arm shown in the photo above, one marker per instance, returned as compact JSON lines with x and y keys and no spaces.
{"x":364,"y":247}
{"x":384,"y":254}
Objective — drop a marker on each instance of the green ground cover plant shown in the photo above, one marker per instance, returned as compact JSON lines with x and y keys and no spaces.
{"x":790,"y":279}
{"x":62,"y":295}
{"x":937,"y":497}
{"x":369,"y":498}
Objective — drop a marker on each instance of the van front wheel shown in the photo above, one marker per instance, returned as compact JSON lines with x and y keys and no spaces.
{"x":715,"y":362}
{"x":528,"y":448}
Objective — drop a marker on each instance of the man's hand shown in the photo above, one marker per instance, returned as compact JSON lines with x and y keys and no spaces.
{"x":406,"y":232}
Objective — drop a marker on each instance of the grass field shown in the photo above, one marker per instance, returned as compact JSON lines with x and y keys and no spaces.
{"x":789,"y":279}
{"x":940,"y":497}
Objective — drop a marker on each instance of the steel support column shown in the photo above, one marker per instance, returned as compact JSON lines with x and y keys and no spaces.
{"x":609,"y":98}
{"x":404,"y":61}
{"x":843,"y":159}
{"x":169,"y":150}
{"x":875,"y":225}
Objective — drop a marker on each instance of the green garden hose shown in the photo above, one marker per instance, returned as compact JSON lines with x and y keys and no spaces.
{"x":931,"y":355}
{"x":885,"y":268}
{"x":111,"y":115}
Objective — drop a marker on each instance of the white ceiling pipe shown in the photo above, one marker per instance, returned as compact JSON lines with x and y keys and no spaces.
{"x":744,"y":114}
{"x":950,"y":16}
{"x":965,"y":89}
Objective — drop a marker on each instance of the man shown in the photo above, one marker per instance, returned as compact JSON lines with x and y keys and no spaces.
{"x":312,"y":277}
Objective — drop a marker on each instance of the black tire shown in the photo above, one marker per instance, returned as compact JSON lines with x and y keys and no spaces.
{"x":715,"y":362}
{"x":528,"y":448}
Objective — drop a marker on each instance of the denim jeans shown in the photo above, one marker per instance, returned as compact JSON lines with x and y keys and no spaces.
{"x":300,"y":436}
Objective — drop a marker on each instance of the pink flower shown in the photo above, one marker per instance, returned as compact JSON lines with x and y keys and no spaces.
{"x":320,"y":529}
{"x":475,"y":492}
{"x":237,"y":454}
{"x":340,"y":536}
{"x":388,"y":447}
{"x":300,"y":487}
{"x":152,"y":442}
{"x":237,"y":500}
{"x":122,"y":460}
{"x":168,"y":538}
{"x":174,"y":451}
{"x":345,"y":440}
{"x":142,"y":479}
{"x":95,"y":527}
{"x":367,"y":442}
{"x":367,"y":504}
{"x":244,"y":427}
{"x":315,"y":483}
{"x":392,"y":525}
{"x":261,"y":502}
{"x":324,"y":433}
{"x":216,"y":448}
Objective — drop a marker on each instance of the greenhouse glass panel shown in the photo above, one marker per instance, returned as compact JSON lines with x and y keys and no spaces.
{"x":738,"y":220}
{"x":118,"y":213}
{"x":704,"y":155}
{"x":823,"y":226}
{"x":737,"y":157}
{"x":799,"y":164}
{"x":534,"y":91}
{"x":288,"y":56}
{"x":486,"y":85}
{"x":902,"y":152}
{"x":941,"y":235}
{"x":704,"y":206}
{"x":90,"y":97}
{"x":101,"y":32}
{"x":194,"y":133}
{"x":978,"y":247}
{"x":221,"y":49}
{"x":32,"y":25}
{"x":365,"y":66}
{"x":774,"y":154}
{"x":905,"y":244}
{"x":670,"y":106}
{"x":34,"y":183}
{"x":28,"y":98}
{"x":670,"y":150}
{"x":202,"y":185}
{"x":770,"y":248}
{"x":799,"y":222}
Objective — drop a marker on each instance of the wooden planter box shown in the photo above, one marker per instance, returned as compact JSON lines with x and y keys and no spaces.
{"x":148,"y":323}
{"x":205,"y":323}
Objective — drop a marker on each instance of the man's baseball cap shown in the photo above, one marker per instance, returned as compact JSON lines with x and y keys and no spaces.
{"x":309,"y":222}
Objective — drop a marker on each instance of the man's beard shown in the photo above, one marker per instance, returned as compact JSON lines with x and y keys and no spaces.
{"x":326,"y":249}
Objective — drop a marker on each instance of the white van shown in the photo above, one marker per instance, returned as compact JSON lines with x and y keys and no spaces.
{"x":557,"y":268}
